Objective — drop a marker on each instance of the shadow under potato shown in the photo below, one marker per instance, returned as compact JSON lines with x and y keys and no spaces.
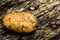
{"x":13,"y":32}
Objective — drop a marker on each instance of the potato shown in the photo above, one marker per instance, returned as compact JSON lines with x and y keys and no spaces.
{"x":20,"y":21}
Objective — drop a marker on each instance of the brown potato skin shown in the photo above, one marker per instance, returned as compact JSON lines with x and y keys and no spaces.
{"x":20,"y":21}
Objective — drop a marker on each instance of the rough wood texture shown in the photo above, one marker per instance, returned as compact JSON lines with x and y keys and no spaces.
{"x":47,"y":12}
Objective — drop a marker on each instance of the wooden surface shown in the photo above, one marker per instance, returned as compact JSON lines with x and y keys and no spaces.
{"x":47,"y":12}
